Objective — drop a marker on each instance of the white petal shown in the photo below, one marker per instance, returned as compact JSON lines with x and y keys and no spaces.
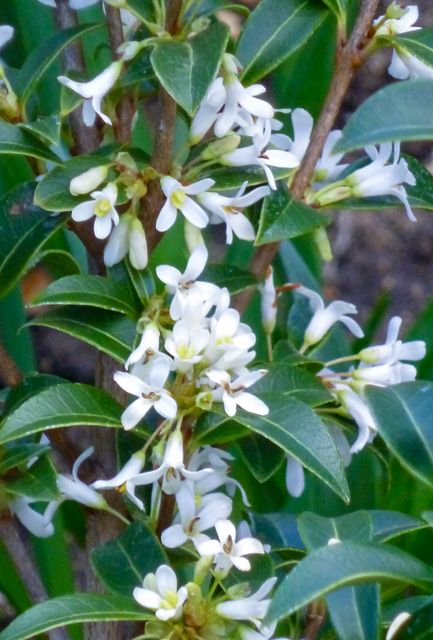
{"x":117,"y":246}
{"x":131,"y":384}
{"x":165,"y":579}
{"x":194,"y":213}
{"x":251,"y":403}
{"x":83,"y":211}
{"x":102,"y":227}
{"x":166,"y":217}
{"x":173,"y":536}
{"x":295,"y":477}
{"x":197,"y":187}
{"x":225,"y":529}
{"x":169,"y":185}
{"x":133,"y":467}
{"x":196,"y":263}
{"x":135,"y":412}
{"x":88,"y":113}
{"x":6,"y":34}
{"x":166,"y":406}
{"x":147,"y":598}
{"x":397,"y":69}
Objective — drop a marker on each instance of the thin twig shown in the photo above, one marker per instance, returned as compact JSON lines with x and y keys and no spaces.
{"x":125,"y":109}
{"x":348,"y":60}
{"x":163,"y":145}
{"x":11,"y":537}
{"x":10,"y":373}
{"x":316,"y":616}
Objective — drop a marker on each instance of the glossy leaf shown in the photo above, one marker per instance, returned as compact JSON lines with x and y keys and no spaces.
{"x":197,"y":63}
{"x":338,"y":565}
{"x":280,"y":530}
{"x":403,"y":417}
{"x":93,"y":291}
{"x":417,"y":43}
{"x":121,"y":564}
{"x":282,"y":217}
{"x":64,"y":405}
{"x":316,"y":531}
{"x":39,"y":482}
{"x":47,"y":129}
{"x":80,"y":607}
{"x":262,"y":458}
{"x":229,"y":276}
{"x":107,"y":331}
{"x":391,"y":524}
{"x":296,"y":429}
{"x":30,"y":386}
{"x":17,"y":141}
{"x":25,"y":230}
{"x":273,"y":32}
{"x":41,"y":58}
{"x":18,"y":455}
{"x":400,"y":111}
{"x":285,"y":379}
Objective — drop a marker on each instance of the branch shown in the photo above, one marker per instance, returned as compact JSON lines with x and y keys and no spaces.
{"x":348,"y":60}
{"x":10,"y":535}
{"x":163,"y":145}
{"x":125,"y":109}
{"x":10,"y":373}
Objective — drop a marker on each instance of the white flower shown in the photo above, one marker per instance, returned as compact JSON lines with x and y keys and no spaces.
{"x":194,"y":521}
{"x":228,"y":552}
{"x":186,"y":344}
{"x":178,"y":199}
{"x":226,"y":209}
{"x":128,"y":472}
{"x":359,"y":411}
{"x":324,"y":317}
{"x":88,"y":181}
{"x":149,"y":345}
{"x":102,"y":207}
{"x":302,"y":123}
{"x":232,"y":392}
{"x":268,"y":302}
{"x":35,"y":522}
{"x":74,"y":489}
{"x":385,"y":374}
{"x":94,"y":91}
{"x":404,"y":65}
{"x":328,"y":167}
{"x":172,"y":469}
{"x":393,"y":349}
{"x":295,"y":477}
{"x":128,"y":237}
{"x":185,"y":285}
{"x":149,"y":394}
{"x":160,"y":593}
{"x":380,"y":179}
{"x":252,"y":608}
{"x":397,"y":624}
{"x":6,"y":34}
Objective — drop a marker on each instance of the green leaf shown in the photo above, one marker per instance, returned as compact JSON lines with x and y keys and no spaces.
{"x":316,"y":531}
{"x":16,"y":141}
{"x":262,"y":458}
{"x":41,"y":58}
{"x":338,"y":8}
{"x":280,"y":530}
{"x":39,"y":482}
{"x":52,"y":193}
{"x":107,"y":331}
{"x":420,"y":625}
{"x":400,"y":111}
{"x":80,"y":607}
{"x":402,"y":414}
{"x":296,"y":429}
{"x":197,"y":63}
{"x":230,"y":178}
{"x":338,"y":565}
{"x":207,"y":7}
{"x":273,"y":32}
{"x":93,"y":291}
{"x":229,"y":276}
{"x":416,"y":43}
{"x":143,"y":9}
{"x":121,"y":564}
{"x":18,"y":455}
{"x":30,"y":386}
{"x":282,"y":217}
{"x":390,"y":524}
{"x":64,"y":405}
{"x":288,"y":380}
{"x":47,"y":129}
{"x":25,"y":230}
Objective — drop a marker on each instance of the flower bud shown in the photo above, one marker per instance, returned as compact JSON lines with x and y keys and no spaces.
{"x":394,"y":11}
{"x":204,"y":400}
{"x":323,"y":245}
{"x":130,"y":49}
{"x":269,"y":302}
{"x":88,"y":181}
{"x":220,"y":147}
{"x":138,"y":255}
{"x":201,"y":570}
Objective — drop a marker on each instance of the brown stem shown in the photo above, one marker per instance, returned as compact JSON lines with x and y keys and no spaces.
{"x":163,"y":145}
{"x":316,"y":616}
{"x":125,"y":109}
{"x":10,"y":373}
{"x":12,"y":539}
{"x":348,"y":60}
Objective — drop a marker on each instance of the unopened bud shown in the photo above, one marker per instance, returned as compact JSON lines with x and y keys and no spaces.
{"x":201,"y":570}
{"x":394,"y":11}
{"x":138,"y":254}
{"x":220,"y":147}
{"x":88,"y":181}
{"x":323,"y":245}
{"x":130,"y":49}
{"x":238,"y":591}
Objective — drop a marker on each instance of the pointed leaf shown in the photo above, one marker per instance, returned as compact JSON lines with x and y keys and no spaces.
{"x":197,"y":63}
{"x":390,"y":524}
{"x":418,"y":44}
{"x":16,"y":141}
{"x":64,"y":405}
{"x":229,"y":276}
{"x":338,"y":565}
{"x":39,"y":482}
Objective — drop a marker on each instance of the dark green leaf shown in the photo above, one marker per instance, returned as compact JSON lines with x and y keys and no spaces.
{"x":143,"y":9}
{"x":43,"y":57}
{"x":80,"y":607}
{"x":93,"y":291}
{"x":25,"y":230}
{"x":63,"y":405}
{"x":283,"y":217}
{"x":121,"y":564}
{"x":39,"y":482}
{"x":108,"y":331}
{"x":47,"y":129}
{"x":280,"y":530}
{"x":338,"y":565}
{"x":16,"y":141}
{"x":207,"y":7}
{"x":17,"y":455}
{"x":230,"y":276}
{"x":390,"y":524}
{"x":262,"y":458}
{"x":417,"y":43}
{"x":400,"y":111}
{"x":296,"y":429}
{"x":420,"y":626}
{"x":316,"y":531}
{"x":197,"y":63}
{"x":285,"y":379}
{"x":230,"y":178}
{"x":30,"y":386}
{"x":273,"y":32}
{"x":403,"y":417}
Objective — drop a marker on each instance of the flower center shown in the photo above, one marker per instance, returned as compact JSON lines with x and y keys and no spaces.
{"x":170,"y":600}
{"x":177,"y":198}
{"x":228,"y":545}
{"x":185,"y":351}
{"x":102,"y":207}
